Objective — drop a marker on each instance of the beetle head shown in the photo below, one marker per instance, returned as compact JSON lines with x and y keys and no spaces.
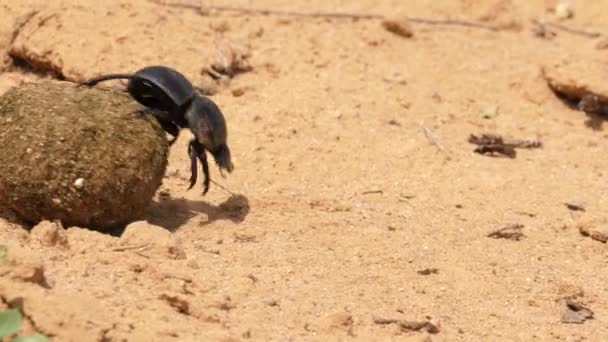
{"x":207,"y":123}
{"x":223,"y":159}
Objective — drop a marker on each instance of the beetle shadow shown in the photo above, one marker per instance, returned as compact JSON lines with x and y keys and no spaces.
{"x":172,"y":213}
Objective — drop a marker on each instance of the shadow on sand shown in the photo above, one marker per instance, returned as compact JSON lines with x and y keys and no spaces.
{"x":172,"y":213}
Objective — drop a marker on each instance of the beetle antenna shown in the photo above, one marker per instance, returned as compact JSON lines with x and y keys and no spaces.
{"x":223,"y":187}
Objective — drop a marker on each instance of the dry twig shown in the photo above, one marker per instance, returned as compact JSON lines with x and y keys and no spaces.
{"x":404,"y":325}
{"x":433,"y":139}
{"x":543,"y":24}
{"x":318,"y":14}
{"x":489,"y":144}
{"x":509,"y":232}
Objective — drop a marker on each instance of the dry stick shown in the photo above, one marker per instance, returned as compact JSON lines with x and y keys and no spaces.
{"x":433,"y":139}
{"x":567,"y":29}
{"x":261,"y":11}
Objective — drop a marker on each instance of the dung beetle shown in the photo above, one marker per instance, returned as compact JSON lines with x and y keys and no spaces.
{"x":173,"y":100}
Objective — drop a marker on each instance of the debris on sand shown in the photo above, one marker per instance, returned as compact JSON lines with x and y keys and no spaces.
{"x":230,"y":60}
{"x":597,"y":234}
{"x":574,"y":206}
{"x":50,"y":234}
{"x":405,"y":325}
{"x":509,"y":232}
{"x":563,"y":10}
{"x":579,"y":83}
{"x":398,"y":26}
{"x":492,"y":144}
{"x":575,"y":313}
{"x":602,"y":43}
{"x":428,"y":271}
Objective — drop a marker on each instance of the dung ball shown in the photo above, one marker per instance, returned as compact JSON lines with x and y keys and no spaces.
{"x":80,"y":155}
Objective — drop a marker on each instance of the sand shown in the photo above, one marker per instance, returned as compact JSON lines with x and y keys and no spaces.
{"x":357,"y":201}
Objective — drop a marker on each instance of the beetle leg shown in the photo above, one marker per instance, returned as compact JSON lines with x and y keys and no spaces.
{"x":164,"y":121}
{"x":203,"y":158}
{"x":193,"y":169}
{"x":196,"y":150}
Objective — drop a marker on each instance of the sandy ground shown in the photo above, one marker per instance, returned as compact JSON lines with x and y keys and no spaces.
{"x":353,"y":175}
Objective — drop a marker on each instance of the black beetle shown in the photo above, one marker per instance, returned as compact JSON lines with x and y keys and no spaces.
{"x":173,"y":100}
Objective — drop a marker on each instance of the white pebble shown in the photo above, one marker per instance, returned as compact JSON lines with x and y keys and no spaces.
{"x":29,"y":150}
{"x":563,"y":10}
{"x":79,"y":183}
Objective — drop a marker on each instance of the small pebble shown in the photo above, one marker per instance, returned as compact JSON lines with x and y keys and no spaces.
{"x":602,"y":43}
{"x":398,"y":26}
{"x":563,"y":10}
{"x":79,"y":183}
{"x":238,"y":92}
{"x":192,"y":263}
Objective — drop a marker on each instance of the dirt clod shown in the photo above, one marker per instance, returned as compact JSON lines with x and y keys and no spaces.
{"x":50,"y":234}
{"x":21,"y":266}
{"x":575,"y":313}
{"x":152,"y":239}
{"x":405,"y":325}
{"x":179,"y":304}
{"x":54,"y":133}
{"x":398,"y":26}
{"x":574,"y":206}
{"x":492,"y":144}
{"x":602,"y":43}
{"x":428,"y":271}
{"x":595,"y":233}
{"x":341,"y":321}
{"x":509,"y":232}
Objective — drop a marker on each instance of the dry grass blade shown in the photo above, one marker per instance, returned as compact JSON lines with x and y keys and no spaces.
{"x":318,"y":14}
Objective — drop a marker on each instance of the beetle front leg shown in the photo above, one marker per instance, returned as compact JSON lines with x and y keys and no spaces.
{"x":196,"y":150}
{"x":193,"y":167}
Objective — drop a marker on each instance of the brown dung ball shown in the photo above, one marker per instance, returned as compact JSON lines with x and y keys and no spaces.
{"x":80,"y":155}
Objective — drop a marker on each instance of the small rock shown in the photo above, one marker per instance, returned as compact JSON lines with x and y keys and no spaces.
{"x":50,"y":234}
{"x":79,"y":183}
{"x":238,"y":92}
{"x":338,"y":321}
{"x":179,"y":304}
{"x":575,"y":313}
{"x":509,"y":232}
{"x":602,"y":43}
{"x":398,"y":26}
{"x":563,"y":10}
{"x":574,"y":206}
{"x":428,"y":271}
{"x":221,"y":26}
{"x":428,"y":326}
{"x":271,"y":302}
{"x":597,"y":234}
{"x":142,"y":233}
{"x":207,"y":86}
{"x":192,"y":263}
